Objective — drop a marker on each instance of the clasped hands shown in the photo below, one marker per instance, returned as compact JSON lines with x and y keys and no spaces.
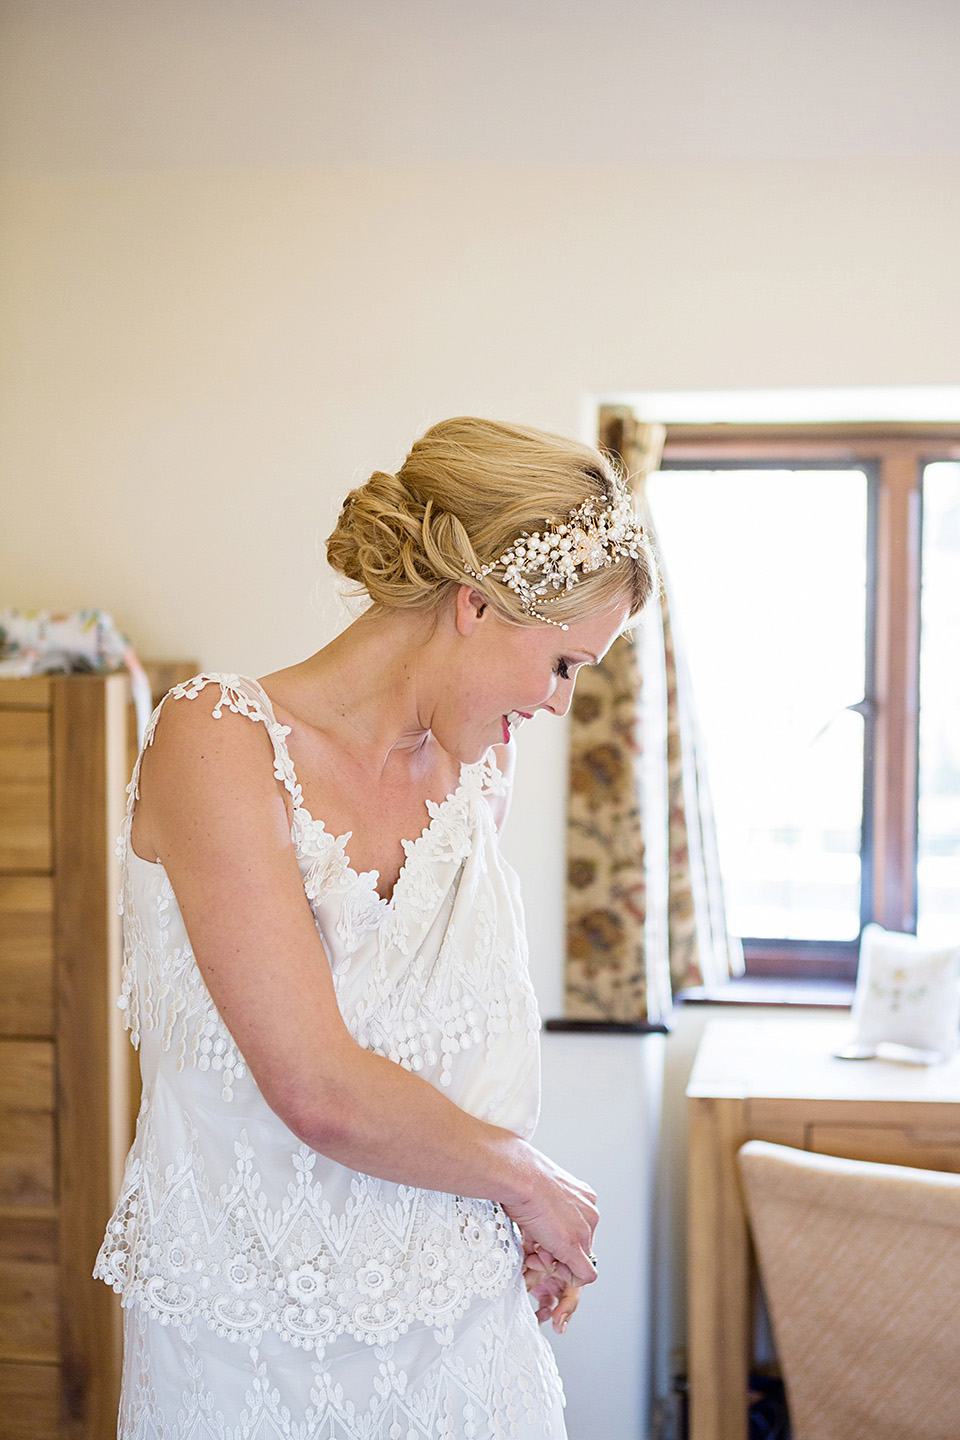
{"x":558,"y":1219}
{"x":550,"y":1284}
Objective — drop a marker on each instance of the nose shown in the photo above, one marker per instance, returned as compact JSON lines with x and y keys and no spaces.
{"x":559,"y":702}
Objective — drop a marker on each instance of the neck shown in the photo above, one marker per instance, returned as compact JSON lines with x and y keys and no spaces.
{"x":372,"y":687}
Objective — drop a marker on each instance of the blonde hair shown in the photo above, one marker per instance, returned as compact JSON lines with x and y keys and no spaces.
{"x":466,"y":491}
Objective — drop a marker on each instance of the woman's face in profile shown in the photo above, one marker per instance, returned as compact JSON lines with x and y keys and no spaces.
{"x":506,"y":672}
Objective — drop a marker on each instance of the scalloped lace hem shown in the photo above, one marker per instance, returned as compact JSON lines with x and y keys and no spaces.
{"x":495,"y":1380}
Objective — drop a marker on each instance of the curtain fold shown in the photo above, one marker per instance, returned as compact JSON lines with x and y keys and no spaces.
{"x":645,"y":912}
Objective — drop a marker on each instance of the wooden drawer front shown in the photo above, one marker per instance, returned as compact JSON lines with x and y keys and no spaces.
{"x":30,"y":692}
{"x":26,"y":1123}
{"x":29,"y":1319}
{"x":926,"y":1148}
{"x":25,"y":829}
{"x":29,"y":1401}
{"x":26,"y":955}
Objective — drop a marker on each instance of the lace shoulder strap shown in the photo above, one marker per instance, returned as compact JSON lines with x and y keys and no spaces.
{"x":242,"y":696}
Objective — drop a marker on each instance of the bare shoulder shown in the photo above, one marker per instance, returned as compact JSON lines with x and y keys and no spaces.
{"x":203,"y":716}
{"x":206,"y":767}
{"x":506,"y":760}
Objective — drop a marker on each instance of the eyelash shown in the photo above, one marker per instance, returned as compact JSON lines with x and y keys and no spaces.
{"x":563,"y":670}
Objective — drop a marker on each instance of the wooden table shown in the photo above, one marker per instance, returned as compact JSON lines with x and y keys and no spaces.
{"x":777,"y":1080}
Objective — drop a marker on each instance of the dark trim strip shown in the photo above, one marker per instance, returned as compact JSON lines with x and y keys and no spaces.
{"x":609,"y":1027}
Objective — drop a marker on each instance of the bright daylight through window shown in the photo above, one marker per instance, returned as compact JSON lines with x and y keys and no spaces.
{"x":816,"y":596}
{"x":938,"y":841}
{"x":770,"y":603}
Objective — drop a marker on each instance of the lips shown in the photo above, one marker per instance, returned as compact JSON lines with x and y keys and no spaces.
{"x":513,"y":721}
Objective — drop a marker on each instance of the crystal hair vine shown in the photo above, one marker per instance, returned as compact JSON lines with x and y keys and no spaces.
{"x":555,"y":559}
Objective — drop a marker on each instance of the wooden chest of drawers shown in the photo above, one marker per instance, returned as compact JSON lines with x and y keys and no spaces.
{"x":68,"y":1086}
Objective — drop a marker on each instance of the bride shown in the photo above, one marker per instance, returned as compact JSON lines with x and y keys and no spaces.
{"x":332,"y":1212}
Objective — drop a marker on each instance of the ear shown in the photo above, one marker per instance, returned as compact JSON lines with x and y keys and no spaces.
{"x":470,"y":610}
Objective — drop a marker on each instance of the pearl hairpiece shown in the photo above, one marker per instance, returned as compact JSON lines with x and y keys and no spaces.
{"x":592,"y":537}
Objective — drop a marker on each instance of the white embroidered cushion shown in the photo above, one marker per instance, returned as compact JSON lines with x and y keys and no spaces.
{"x":908,"y":993}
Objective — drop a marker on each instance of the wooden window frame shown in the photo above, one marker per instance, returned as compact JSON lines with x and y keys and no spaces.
{"x":895,"y":456}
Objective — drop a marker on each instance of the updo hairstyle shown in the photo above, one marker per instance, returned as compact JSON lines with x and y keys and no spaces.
{"x":466,"y":491}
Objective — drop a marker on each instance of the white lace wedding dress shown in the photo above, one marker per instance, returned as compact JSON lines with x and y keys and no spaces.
{"x":268,"y":1291}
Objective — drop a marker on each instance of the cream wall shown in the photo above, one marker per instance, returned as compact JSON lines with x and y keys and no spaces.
{"x":247,"y":253}
{"x":197,"y":365}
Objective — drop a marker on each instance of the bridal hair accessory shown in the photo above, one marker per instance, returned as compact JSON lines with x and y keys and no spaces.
{"x":591,"y":537}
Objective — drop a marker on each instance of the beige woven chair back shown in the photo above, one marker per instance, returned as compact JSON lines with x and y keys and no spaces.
{"x":860,"y":1266}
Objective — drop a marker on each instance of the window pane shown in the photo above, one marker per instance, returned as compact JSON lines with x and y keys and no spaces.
{"x":767,"y":570}
{"x":938,"y":849}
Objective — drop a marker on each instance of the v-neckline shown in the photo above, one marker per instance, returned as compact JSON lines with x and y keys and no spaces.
{"x":369,"y":878}
{"x":363,"y":878}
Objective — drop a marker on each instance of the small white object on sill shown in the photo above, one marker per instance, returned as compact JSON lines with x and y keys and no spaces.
{"x":907,"y":1002}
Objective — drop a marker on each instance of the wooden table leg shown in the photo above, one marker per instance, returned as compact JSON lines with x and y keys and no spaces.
{"x":720,"y":1318}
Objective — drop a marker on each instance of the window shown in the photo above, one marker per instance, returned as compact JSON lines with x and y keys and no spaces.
{"x":827,"y":682}
{"x":938,"y":841}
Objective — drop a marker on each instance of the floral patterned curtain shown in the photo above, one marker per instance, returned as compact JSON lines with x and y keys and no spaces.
{"x":645,"y":914}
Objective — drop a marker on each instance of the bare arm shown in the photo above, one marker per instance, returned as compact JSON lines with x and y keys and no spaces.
{"x":213,"y":813}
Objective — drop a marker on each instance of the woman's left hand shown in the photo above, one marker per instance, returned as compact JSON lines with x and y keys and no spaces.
{"x":556,"y":1299}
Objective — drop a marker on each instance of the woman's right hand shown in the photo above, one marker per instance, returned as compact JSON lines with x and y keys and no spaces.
{"x":557,"y":1218}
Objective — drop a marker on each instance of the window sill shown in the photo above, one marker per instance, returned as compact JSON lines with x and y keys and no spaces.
{"x":608,"y":1027}
{"x":766,"y":990}
{"x":812,"y":994}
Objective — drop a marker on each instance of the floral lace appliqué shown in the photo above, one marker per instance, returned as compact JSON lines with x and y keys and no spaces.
{"x":386,"y":1258}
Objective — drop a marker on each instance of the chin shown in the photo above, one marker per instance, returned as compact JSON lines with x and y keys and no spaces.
{"x":468,"y":749}
{"x":471,"y":752}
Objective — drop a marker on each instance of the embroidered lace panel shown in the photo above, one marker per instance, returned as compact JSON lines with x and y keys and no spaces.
{"x":371,"y":1264}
